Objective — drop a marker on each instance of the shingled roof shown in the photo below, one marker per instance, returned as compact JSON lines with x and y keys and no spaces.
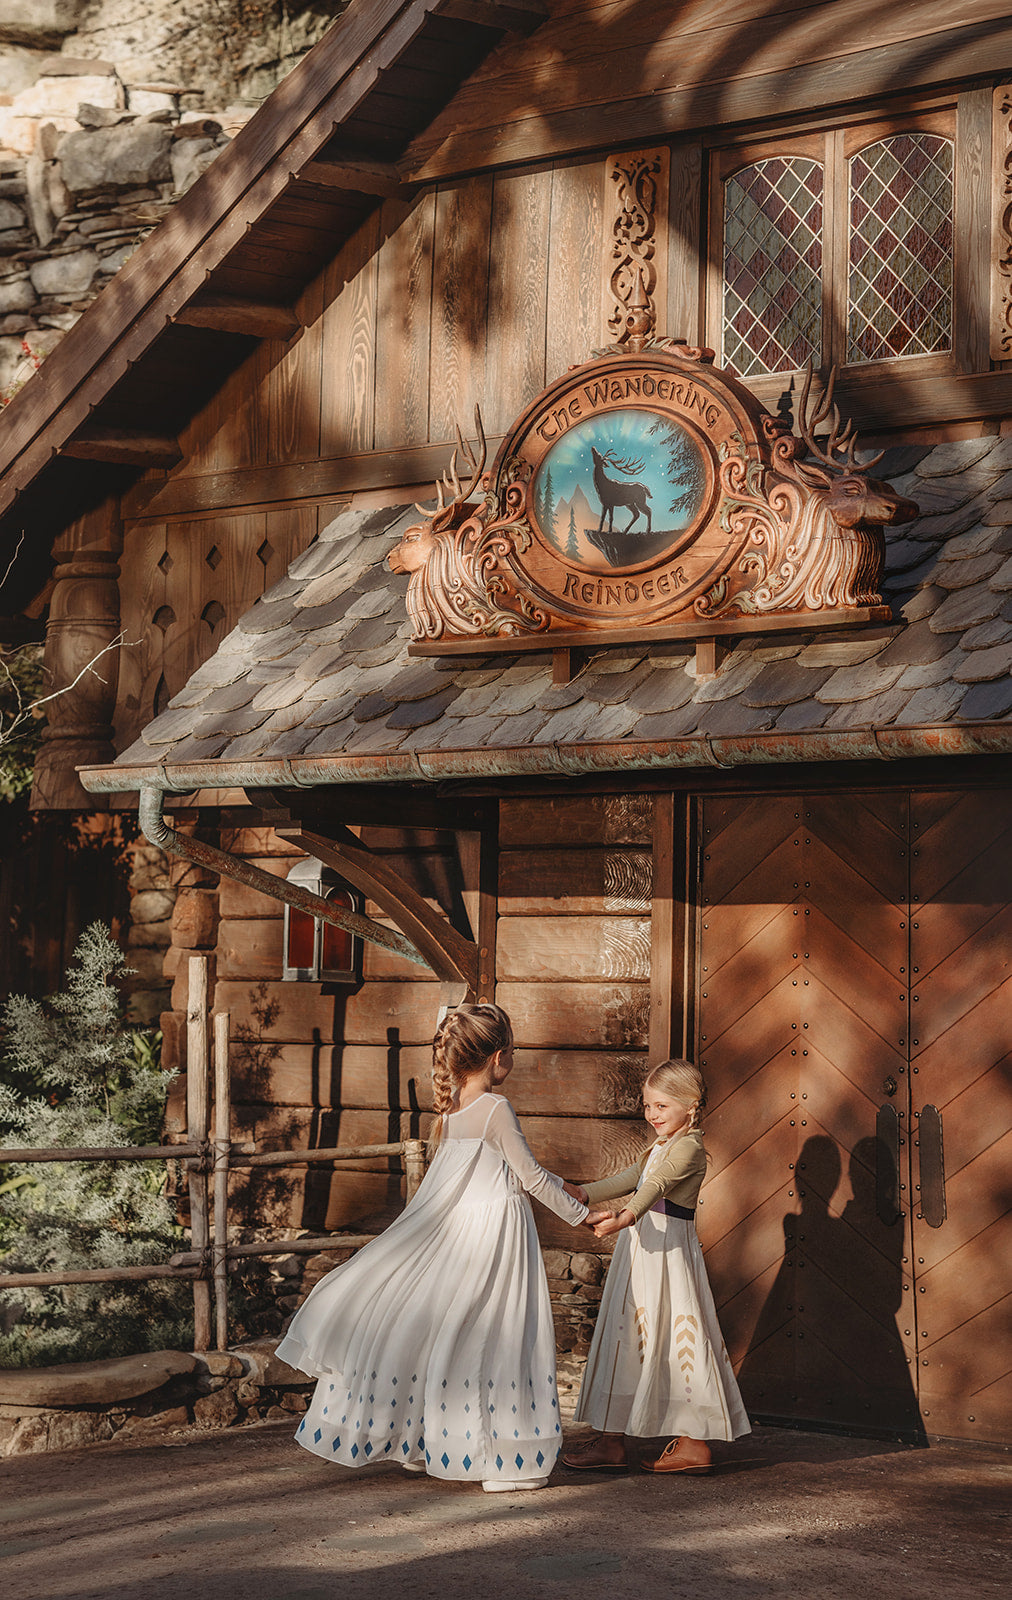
{"x":316,"y":685}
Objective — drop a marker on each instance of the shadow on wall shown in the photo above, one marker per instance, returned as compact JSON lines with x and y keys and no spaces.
{"x":827,"y":1345}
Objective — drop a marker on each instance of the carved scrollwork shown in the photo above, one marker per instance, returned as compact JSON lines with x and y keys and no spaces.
{"x":632,"y":280}
{"x":1001,"y":251}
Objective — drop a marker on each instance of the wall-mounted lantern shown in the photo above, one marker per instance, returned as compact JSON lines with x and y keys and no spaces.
{"x":317,"y":951}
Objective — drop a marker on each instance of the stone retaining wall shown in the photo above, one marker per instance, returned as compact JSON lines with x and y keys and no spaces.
{"x":109,"y":111}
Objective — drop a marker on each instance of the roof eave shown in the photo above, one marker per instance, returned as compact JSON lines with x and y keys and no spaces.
{"x":574,"y":760}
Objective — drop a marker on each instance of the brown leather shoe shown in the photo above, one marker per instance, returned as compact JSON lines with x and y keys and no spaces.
{"x":682,"y":1455}
{"x":594,"y":1452}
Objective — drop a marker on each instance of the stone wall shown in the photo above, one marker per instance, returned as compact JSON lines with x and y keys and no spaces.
{"x":109,"y":111}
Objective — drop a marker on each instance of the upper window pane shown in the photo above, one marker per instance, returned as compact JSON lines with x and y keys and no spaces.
{"x":772,"y":315}
{"x":900,"y":277}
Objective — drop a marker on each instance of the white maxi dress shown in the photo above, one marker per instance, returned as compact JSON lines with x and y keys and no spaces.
{"x":434,"y":1345}
{"x":658,"y":1363}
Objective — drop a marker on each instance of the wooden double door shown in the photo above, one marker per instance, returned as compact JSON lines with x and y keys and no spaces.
{"x":854,"y":1020}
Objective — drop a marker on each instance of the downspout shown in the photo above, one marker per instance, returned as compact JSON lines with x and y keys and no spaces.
{"x":155,"y":828}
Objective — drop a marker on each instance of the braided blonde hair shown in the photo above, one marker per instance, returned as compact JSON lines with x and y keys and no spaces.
{"x":684,"y":1083}
{"x":466,"y":1040}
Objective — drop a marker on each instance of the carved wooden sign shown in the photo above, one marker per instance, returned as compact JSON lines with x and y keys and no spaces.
{"x":649,"y":491}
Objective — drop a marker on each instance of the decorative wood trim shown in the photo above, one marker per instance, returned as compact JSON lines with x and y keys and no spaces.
{"x":634,"y":286}
{"x":448,"y":953}
{"x":1001,"y":234}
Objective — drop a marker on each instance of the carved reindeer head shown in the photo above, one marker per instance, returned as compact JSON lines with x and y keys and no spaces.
{"x":420,"y":540}
{"x":853,"y":498}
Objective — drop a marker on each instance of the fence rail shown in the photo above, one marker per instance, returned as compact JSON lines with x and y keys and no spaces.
{"x":208,"y":1162}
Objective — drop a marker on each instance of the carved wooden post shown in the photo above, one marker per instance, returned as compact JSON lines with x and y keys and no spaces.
{"x":222,"y":1151}
{"x":414,"y":1166}
{"x":635,"y":287}
{"x":197,"y":1126}
{"x":83,"y":622}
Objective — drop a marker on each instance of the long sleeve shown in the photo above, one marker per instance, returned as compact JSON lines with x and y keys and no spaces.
{"x":676,"y":1174}
{"x":503,"y":1133}
{"x":623,"y":1182}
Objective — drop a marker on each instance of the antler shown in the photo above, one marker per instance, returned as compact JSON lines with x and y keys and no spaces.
{"x":841,"y":442}
{"x":449,"y":483}
{"x":630,"y":464}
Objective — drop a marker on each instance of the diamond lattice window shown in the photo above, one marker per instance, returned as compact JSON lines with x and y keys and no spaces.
{"x":901,"y":237}
{"x":772,"y":257}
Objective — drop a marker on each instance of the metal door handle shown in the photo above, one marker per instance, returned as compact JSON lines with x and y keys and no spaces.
{"x":931,"y":1164}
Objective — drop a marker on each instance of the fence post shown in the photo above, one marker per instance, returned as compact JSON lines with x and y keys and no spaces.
{"x":414,"y":1166}
{"x":222,"y":1150}
{"x":197,"y":1127}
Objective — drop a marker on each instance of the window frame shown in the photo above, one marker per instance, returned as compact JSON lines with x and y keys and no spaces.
{"x":901,"y":390}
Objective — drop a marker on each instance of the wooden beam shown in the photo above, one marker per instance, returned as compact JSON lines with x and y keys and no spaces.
{"x":121,"y":447}
{"x":448,"y":953}
{"x":393,"y":806}
{"x":355,"y":175}
{"x":513,"y":16}
{"x":227,"y":314}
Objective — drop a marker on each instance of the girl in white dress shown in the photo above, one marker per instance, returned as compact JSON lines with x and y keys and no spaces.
{"x":657,"y":1363}
{"x":434,"y":1345}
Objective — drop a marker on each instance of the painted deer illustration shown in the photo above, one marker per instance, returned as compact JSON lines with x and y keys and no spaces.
{"x":615,"y":492}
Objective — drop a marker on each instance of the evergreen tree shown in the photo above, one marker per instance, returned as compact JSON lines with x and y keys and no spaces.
{"x":75,"y":1075}
{"x":572,"y":545}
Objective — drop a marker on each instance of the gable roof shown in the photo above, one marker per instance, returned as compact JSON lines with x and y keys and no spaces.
{"x":228,"y":264}
{"x":315,"y":684}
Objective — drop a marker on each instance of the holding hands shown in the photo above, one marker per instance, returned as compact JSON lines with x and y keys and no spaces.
{"x":608,"y":1222}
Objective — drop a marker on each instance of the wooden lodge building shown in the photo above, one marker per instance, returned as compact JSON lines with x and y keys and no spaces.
{"x":673,"y":729}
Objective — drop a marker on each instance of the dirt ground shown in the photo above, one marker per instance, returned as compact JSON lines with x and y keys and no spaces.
{"x":247,"y":1515}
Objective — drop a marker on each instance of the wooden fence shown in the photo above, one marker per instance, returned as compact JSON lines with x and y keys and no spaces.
{"x":208,"y":1162}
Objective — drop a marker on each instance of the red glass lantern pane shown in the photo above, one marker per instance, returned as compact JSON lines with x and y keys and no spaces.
{"x":301,"y":940}
{"x":337,"y":942}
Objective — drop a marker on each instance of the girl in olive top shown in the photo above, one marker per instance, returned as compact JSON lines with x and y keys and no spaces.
{"x":657,"y":1364}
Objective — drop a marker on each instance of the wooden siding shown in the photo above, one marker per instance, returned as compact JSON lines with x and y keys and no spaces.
{"x":627,"y":70}
{"x":320,"y":1064}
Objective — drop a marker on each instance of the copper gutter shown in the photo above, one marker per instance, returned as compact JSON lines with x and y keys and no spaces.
{"x":155,"y":828}
{"x":553,"y":760}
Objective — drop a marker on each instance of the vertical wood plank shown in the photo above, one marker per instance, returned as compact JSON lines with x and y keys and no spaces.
{"x":672,"y":929}
{"x":404,"y":312}
{"x":348,"y":379}
{"x":972,"y":264}
{"x":292,"y":390}
{"x":576,"y":317}
{"x":685,"y":231}
{"x":517,"y":295}
{"x":459,"y":306}
{"x":197,"y":1127}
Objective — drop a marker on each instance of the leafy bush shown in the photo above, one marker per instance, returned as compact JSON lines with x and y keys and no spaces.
{"x":76,"y":1076}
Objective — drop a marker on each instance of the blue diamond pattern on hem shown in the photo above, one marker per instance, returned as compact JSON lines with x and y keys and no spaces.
{"x":405,"y":1447}
{"x":336,"y":1446}
{"x":520,"y":1459}
{"x":444,"y":1458}
{"x":354,"y":1451}
{"x":467,"y":1463}
{"x":498,"y":1463}
{"x":539,"y":1458}
{"x":317,"y":1436}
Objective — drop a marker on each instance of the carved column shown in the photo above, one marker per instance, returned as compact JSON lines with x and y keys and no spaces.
{"x":1001,"y":227}
{"x":84,"y":621}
